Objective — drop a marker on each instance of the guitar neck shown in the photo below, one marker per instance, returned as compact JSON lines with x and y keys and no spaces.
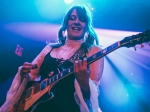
{"x":103,"y":52}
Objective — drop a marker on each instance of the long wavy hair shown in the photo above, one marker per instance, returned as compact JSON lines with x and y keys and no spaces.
{"x":84,"y":12}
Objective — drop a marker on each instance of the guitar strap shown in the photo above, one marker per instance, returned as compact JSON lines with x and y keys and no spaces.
{"x":79,"y":54}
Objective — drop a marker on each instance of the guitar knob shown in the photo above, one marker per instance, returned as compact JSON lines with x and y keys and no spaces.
{"x":135,"y":48}
{"x":142,"y":45}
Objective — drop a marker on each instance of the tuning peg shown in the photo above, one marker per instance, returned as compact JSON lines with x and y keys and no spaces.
{"x":142,"y":45}
{"x":135,"y":48}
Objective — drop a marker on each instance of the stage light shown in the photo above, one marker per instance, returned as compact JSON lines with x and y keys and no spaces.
{"x":92,"y":8}
{"x":68,"y":1}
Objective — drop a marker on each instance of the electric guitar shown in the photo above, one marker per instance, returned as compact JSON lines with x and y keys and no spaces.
{"x":34,"y":94}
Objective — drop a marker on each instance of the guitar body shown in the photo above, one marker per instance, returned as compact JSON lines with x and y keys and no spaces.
{"x":32,"y":97}
{"x":31,"y":93}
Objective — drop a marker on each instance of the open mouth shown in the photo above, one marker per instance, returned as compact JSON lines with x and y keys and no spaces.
{"x":76,"y":28}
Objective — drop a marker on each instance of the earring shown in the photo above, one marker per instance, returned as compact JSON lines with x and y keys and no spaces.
{"x":86,"y":35}
{"x":64,"y":33}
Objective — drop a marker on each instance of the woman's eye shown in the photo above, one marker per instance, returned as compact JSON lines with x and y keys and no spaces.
{"x":82,"y":19}
{"x":72,"y":17}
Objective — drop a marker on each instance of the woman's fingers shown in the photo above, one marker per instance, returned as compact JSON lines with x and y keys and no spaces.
{"x":84,"y":63}
{"x":80,"y":65}
{"x":76,"y":66}
{"x":26,"y":67}
{"x":81,"y":71}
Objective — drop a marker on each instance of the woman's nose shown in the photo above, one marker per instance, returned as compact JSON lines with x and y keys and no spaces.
{"x":77,"y":20}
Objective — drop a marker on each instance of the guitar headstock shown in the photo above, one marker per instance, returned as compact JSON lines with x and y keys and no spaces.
{"x":133,"y":40}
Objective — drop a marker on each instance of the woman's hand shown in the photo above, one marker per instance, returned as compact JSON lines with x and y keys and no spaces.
{"x":25,"y":68}
{"x":82,"y":74}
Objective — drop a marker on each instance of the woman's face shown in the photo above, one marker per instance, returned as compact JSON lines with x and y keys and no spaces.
{"x":76,"y":27}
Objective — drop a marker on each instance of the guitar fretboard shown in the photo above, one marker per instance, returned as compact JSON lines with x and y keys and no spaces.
{"x":103,"y":52}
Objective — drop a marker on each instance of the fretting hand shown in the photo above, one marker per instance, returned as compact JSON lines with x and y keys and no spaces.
{"x":82,"y":74}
